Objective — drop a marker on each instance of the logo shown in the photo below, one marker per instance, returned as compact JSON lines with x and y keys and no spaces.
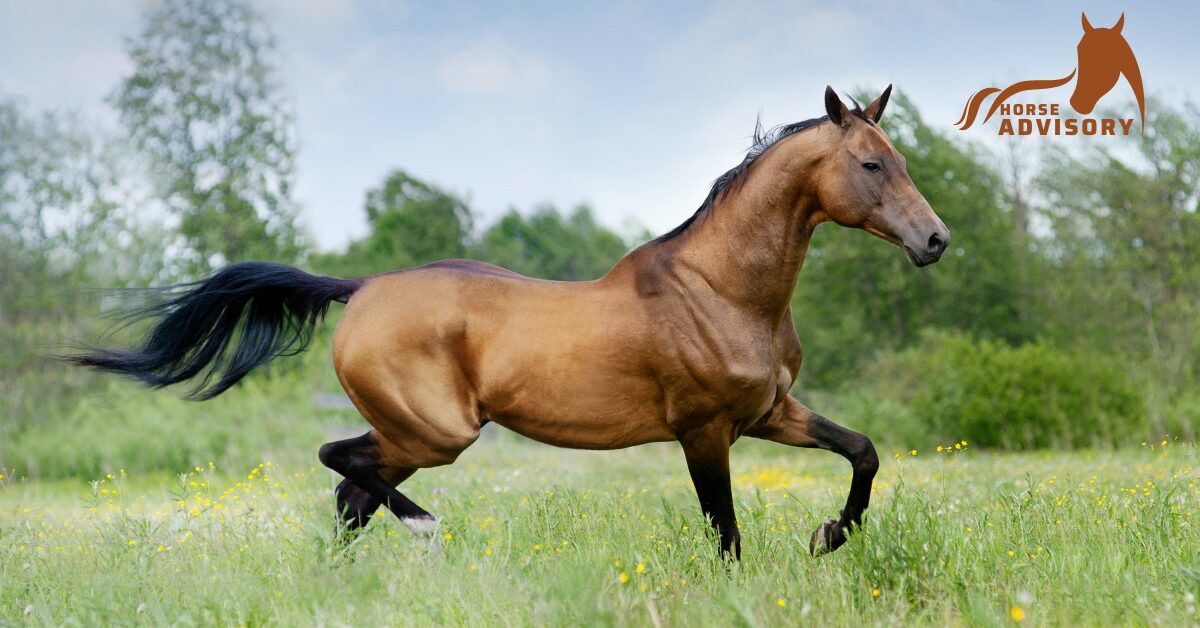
{"x":1104,"y":57}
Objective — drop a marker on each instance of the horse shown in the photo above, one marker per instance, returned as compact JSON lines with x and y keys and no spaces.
{"x":1103,"y":57}
{"x":688,"y":338}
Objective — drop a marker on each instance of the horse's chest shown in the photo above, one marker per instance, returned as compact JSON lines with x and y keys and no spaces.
{"x":733,"y":372}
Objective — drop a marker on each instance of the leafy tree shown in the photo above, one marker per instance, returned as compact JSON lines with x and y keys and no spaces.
{"x":549,"y":245}
{"x":204,"y":108}
{"x":418,"y":220}
{"x":1126,"y":231}
{"x":62,"y":220}
{"x":412,"y":222}
{"x":63,"y":226}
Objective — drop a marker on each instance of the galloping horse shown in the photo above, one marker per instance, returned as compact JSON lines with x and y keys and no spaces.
{"x":1103,"y":57}
{"x":688,"y":338}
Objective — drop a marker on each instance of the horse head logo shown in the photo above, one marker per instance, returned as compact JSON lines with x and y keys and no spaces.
{"x":1104,"y":56}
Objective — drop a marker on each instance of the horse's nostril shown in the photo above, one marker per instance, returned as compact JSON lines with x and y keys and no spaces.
{"x":935,"y":242}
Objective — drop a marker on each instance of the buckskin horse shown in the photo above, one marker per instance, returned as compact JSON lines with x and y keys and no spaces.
{"x":688,"y":338}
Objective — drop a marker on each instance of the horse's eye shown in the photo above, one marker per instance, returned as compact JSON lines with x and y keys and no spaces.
{"x":871,"y":166}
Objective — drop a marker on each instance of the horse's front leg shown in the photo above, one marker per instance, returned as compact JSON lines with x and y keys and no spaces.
{"x":791,"y":423}
{"x":707,"y":453}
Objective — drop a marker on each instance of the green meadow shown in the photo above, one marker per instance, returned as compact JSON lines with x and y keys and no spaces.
{"x":532,"y":535}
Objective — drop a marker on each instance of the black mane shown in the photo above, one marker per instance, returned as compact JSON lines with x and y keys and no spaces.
{"x":737,"y":175}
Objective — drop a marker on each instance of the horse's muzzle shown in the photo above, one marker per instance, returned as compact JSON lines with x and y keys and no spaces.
{"x":932,"y":249}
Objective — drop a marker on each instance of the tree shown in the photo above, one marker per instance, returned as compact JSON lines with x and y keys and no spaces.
{"x":414,"y":222}
{"x":548,"y":245}
{"x":203,"y":107}
{"x":411,"y":223}
{"x":1126,"y":231}
{"x":62,"y":220}
{"x":63,"y":227}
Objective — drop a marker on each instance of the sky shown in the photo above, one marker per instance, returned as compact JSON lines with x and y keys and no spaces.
{"x":631,"y":107}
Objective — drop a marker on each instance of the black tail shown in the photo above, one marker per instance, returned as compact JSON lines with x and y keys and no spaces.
{"x":225,"y":326}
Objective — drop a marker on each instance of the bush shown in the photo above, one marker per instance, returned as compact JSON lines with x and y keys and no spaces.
{"x":1028,"y":397}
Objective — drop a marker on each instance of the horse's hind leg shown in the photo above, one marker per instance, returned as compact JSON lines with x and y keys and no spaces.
{"x":355,"y":506}
{"x":791,"y":423}
{"x":357,"y":459}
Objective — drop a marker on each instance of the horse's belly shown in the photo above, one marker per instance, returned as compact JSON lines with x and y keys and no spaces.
{"x":586,"y":434}
{"x":578,"y":407}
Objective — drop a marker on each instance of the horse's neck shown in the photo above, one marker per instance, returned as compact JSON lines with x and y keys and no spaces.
{"x":750,"y":245}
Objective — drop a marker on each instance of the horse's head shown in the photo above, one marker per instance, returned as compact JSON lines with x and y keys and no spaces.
{"x":863,"y":183}
{"x":1103,"y":56}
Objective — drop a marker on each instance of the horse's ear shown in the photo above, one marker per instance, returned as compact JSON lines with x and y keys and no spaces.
{"x":1087,"y":26}
{"x":836,"y":109}
{"x":1119,"y":25}
{"x":874,"y":111}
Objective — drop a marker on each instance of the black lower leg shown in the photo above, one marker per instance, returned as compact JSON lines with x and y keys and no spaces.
{"x":357,"y":460}
{"x":354,"y":505}
{"x":709,"y":468}
{"x":859,"y":450}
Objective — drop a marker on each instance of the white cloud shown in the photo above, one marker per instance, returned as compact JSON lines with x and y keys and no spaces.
{"x":492,"y":66}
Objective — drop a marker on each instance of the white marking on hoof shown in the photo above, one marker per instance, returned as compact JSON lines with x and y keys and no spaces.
{"x":422,"y":527}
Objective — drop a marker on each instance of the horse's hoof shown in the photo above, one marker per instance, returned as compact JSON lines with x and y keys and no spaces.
{"x":425,"y":530}
{"x":825,"y":538}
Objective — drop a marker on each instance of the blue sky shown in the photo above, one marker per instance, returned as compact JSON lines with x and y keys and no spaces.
{"x":631,"y":107}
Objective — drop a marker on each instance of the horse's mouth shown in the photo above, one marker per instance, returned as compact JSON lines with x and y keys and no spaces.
{"x":921,"y":260}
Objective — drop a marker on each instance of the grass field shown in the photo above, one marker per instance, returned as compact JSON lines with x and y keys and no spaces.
{"x":535,"y":535}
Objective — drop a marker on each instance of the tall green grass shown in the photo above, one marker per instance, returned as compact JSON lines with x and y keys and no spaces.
{"x":533,"y":535}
